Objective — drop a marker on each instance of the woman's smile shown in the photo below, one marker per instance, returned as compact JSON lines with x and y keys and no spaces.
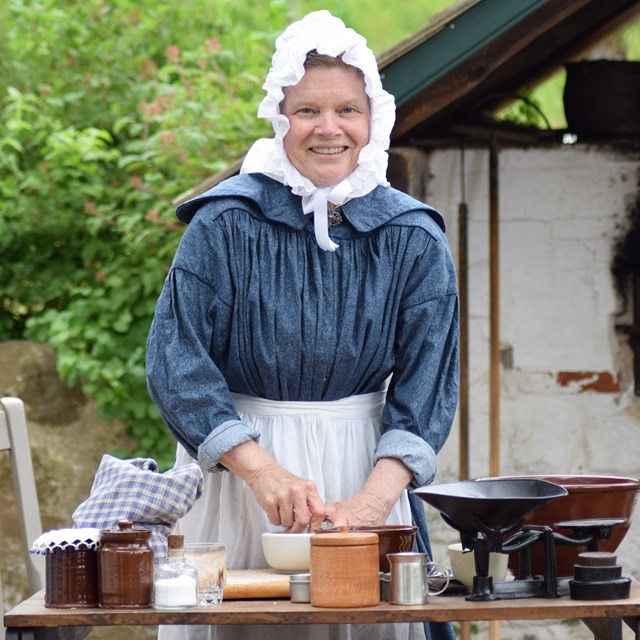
{"x":328,"y":152}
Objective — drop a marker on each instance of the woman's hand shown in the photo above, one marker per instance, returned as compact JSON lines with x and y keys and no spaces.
{"x":288,"y":500}
{"x":361,"y":509}
{"x":372,"y":505}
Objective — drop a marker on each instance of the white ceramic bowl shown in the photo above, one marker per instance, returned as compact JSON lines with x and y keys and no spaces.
{"x":287,"y":551}
{"x":463,"y":565}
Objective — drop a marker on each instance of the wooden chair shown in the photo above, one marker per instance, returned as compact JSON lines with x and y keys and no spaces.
{"x":14,"y":438}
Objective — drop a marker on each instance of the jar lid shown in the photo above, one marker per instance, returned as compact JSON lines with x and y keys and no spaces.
{"x":299,"y":577}
{"x":175,"y":541}
{"x":342,"y":537}
{"x":125,"y":533}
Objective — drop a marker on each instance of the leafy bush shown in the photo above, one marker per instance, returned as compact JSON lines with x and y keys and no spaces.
{"x":108,"y":111}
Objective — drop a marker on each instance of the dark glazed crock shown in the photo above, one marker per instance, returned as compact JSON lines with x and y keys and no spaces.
{"x":125,"y":568}
{"x":589,"y":497}
{"x":71,"y":578}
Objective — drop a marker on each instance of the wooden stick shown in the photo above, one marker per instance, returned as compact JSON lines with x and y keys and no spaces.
{"x":463,"y":293}
{"x":494,"y":328}
{"x":494,"y":314}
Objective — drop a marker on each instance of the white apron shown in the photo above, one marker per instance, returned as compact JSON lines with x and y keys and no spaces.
{"x":329,"y":443}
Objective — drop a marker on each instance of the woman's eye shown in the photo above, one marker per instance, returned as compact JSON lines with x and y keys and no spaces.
{"x":352,"y":110}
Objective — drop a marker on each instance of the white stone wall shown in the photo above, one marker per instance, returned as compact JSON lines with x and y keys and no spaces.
{"x":561,"y":211}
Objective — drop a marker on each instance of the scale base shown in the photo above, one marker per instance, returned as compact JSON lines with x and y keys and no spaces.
{"x":485,"y":589}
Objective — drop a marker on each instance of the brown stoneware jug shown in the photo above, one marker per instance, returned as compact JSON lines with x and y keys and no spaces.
{"x":344,"y":569}
{"x":125,"y":568}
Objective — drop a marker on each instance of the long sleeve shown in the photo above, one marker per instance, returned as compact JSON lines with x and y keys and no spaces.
{"x":183,"y":379}
{"x":423,"y":392}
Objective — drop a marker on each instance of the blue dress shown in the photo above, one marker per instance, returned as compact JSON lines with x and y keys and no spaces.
{"x":253,"y":306}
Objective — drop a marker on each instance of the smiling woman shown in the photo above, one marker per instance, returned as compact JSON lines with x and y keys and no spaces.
{"x":328,"y":112}
{"x":273,"y":339}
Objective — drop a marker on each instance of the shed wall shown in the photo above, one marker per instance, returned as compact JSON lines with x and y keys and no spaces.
{"x":567,"y":400}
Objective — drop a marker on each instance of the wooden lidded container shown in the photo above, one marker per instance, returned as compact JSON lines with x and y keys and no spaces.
{"x":344,"y":569}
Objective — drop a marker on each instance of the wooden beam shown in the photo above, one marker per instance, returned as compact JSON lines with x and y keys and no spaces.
{"x":494,"y":312}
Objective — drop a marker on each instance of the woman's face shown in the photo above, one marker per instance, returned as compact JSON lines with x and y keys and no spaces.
{"x":328,"y":112}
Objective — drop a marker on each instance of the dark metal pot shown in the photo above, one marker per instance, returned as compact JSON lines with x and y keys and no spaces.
{"x":602,"y":97}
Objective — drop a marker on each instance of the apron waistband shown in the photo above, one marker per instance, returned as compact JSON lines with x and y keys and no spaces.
{"x":366,"y":405}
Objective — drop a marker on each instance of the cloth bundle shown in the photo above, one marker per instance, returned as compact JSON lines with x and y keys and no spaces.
{"x":135,"y":490}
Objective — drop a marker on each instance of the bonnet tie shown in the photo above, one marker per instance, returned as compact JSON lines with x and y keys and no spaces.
{"x":317,"y":203}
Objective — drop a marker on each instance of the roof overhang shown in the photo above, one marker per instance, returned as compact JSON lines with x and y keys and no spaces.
{"x":480,"y":52}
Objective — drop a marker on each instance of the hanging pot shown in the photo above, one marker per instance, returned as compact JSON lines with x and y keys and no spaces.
{"x":602,"y":97}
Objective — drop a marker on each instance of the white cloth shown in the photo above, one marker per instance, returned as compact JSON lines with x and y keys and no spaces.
{"x":328,"y":35}
{"x":330,"y":443}
{"x":61,"y":539}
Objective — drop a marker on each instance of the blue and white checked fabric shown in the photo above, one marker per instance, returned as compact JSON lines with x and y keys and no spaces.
{"x":135,"y":490}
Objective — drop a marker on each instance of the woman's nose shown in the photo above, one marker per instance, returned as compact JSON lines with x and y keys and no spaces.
{"x":327,"y":124}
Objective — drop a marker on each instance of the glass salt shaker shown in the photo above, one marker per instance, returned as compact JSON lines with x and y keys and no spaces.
{"x":175,"y":581}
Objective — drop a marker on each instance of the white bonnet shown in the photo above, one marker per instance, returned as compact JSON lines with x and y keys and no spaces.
{"x":328,"y":35}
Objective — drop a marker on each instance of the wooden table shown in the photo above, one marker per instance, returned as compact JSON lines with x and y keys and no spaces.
{"x":30,"y":620}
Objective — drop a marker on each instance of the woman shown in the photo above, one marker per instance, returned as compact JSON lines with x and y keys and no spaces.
{"x":273,"y":339}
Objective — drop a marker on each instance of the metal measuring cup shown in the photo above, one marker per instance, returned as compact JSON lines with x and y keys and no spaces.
{"x":414,"y":577}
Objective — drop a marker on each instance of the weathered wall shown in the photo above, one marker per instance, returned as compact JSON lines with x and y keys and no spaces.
{"x":561,"y":211}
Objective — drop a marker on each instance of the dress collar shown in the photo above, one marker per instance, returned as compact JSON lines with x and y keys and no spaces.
{"x":277,"y":203}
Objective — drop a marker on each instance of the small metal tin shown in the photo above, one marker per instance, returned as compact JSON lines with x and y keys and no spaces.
{"x":409,"y":583}
{"x":300,"y":587}
{"x":385,"y":579}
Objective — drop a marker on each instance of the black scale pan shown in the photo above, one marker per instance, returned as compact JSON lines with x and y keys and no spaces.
{"x":496,"y":503}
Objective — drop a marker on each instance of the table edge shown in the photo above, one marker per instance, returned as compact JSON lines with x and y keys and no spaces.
{"x":32,"y":613}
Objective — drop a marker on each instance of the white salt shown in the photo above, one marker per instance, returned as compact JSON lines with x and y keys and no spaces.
{"x":175,"y":593}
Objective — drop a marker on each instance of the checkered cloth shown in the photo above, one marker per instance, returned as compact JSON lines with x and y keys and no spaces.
{"x":135,"y":490}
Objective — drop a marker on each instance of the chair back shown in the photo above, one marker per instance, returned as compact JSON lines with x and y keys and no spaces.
{"x":15,"y":440}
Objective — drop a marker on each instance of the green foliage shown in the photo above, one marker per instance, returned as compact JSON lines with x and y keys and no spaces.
{"x":108,"y":111}
{"x":542,"y":108}
{"x":382,"y":23}
{"x":474,"y":628}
